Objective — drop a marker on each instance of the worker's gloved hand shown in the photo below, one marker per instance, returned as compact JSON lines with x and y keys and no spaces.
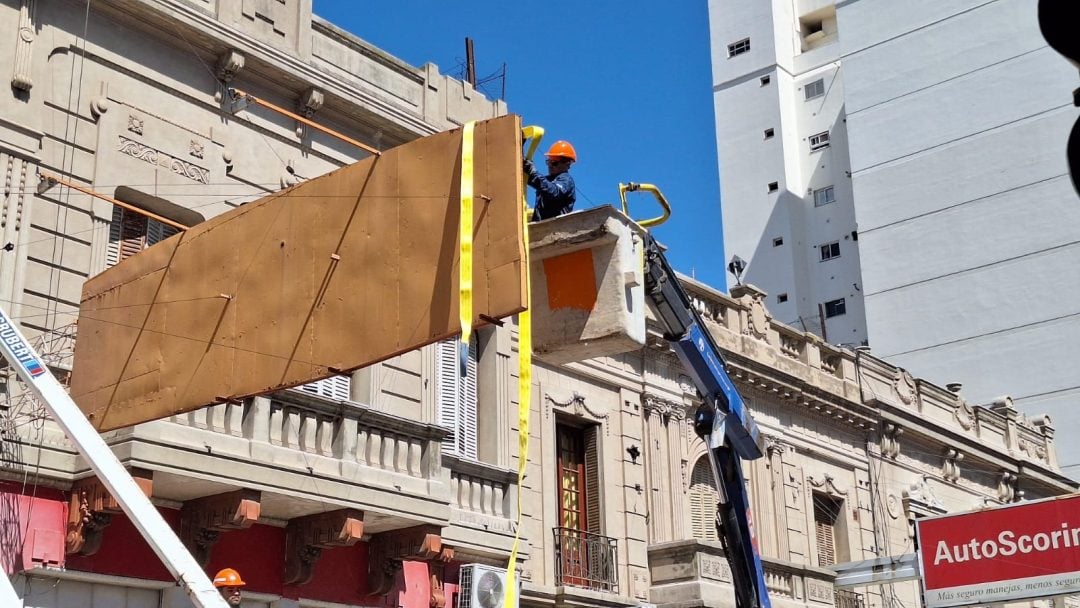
{"x":528,"y":168}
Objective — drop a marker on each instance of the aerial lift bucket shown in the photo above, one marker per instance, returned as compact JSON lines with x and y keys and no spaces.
{"x":588,"y":287}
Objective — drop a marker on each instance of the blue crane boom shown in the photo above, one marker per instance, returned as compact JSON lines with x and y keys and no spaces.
{"x":722,"y":421}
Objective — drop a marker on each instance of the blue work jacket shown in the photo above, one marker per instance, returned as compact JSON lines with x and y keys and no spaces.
{"x":555,"y":196}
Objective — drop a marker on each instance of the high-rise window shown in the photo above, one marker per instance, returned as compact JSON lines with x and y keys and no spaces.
{"x":830,"y":251}
{"x":738,"y":48}
{"x":814,"y":89}
{"x":824,"y":196}
{"x":819,"y":141}
{"x":835,"y":308}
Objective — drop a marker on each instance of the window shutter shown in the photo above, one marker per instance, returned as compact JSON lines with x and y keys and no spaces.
{"x":703,"y":500}
{"x":127,"y":235}
{"x":334,"y":387}
{"x":593,"y":519}
{"x":457,"y":398}
{"x":157,"y":232}
{"x":825,"y":510}
{"x":446,"y":377}
{"x":467,"y":416}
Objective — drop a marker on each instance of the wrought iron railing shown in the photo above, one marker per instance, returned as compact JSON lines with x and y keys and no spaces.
{"x":587,"y":560}
{"x":849,"y":599}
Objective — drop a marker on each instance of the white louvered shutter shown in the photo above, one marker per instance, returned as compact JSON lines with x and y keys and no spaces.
{"x":334,"y":387}
{"x":130,"y":233}
{"x":703,"y":500}
{"x":457,"y":398}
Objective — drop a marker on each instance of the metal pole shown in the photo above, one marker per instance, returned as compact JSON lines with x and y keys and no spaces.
{"x":161,"y":538}
{"x":306,"y":121}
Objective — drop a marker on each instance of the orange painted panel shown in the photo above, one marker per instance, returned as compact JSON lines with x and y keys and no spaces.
{"x":571,"y":281}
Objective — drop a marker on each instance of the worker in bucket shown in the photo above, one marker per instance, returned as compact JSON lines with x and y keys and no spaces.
{"x":555,"y":192}
{"x":228,"y":583}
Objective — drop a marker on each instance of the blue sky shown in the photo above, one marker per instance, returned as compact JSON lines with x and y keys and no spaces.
{"x":628,"y":82}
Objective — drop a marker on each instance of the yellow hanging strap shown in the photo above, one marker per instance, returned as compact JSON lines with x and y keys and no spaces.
{"x":465,"y":257}
{"x":524,"y":381}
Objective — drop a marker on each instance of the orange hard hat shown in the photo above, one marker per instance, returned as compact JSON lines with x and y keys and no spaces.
{"x":563,"y":149}
{"x":228,"y":578}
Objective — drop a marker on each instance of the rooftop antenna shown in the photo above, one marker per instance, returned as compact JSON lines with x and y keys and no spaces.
{"x":470,"y":62}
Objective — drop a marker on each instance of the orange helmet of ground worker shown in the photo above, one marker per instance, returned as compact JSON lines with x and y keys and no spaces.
{"x":228,"y":578}
{"x":563,"y":149}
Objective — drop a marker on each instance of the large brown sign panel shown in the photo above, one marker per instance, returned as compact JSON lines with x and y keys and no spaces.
{"x":331,"y":275}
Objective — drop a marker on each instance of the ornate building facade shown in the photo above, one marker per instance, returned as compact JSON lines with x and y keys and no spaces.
{"x":377,"y":488}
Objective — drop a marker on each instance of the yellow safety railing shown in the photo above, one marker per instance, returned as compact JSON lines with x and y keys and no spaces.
{"x":653,"y":221}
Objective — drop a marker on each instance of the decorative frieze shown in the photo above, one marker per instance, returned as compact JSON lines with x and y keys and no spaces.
{"x":827,"y":485}
{"x":153,"y":156}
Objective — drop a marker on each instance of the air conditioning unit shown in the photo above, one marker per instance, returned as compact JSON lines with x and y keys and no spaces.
{"x":481,"y":586}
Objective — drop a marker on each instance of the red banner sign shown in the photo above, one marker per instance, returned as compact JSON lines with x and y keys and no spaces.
{"x":1021,"y":551}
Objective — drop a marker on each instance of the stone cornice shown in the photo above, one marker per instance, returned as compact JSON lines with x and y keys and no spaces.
{"x":355,"y":98}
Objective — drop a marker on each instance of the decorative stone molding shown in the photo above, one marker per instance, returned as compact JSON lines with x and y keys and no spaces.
{"x":893,"y":506}
{"x":920,"y":501}
{"x":950,"y":468}
{"x":827,"y":485}
{"x":387,"y":550}
{"x":666,"y":409}
{"x":229,"y":64}
{"x":306,"y":537}
{"x":904,"y":385}
{"x":153,"y":156}
{"x":99,"y":104}
{"x":135,"y":124}
{"x":1007,"y":487}
{"x":22,"y":66}
{"x":308,"y":104}
{"x":774,"y":446}
{"x":90,"y":511}
{"x":890,"y":439}
{"x":196,"y":148}
{"x":204,"y":519}
{"x":575,"y":404}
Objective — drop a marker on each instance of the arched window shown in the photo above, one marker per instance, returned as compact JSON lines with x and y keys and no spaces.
{"x":703,"y":499}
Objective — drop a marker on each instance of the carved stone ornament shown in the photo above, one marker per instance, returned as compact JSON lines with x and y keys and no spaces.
{"x":920,"y":501}
{"x":90,"y":511}
{"x":827,"y":484}
{"x":1007,"y":487}
{"x":202,"y":520}
{"x":890,"y":439}
{"x":893,"y":505}
{"x":904,"y":385}
{"x":668,"y":410}
{"x":575,"y":404}
{"x":153,"y":156}
{"x":307,"y":536}
{"x":387,"y":550}
{"x":229,"y":64}
{"x":21,"y":67}
{"x":758,"y":319}
{"x":1033,"y":449}
{"x":135,"y":124}
{"x":964,"y":414}
{"x":196,"y":148}
{"x":950,"y":467}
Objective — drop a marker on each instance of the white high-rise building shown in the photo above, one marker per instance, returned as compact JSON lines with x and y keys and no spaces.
{"x":784,"y":168}
{"x":956,"y":226}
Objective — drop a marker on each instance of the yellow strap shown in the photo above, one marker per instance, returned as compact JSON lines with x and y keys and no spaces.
{"x":465,"y":257}
{"x":524,"y":405}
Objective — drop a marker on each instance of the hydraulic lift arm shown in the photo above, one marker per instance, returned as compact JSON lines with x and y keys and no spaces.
{"x":722,"y":421}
